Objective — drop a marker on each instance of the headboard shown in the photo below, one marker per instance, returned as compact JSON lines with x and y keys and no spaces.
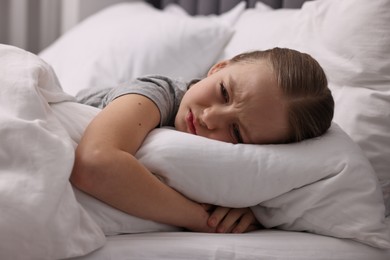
{"x":205,"y":7}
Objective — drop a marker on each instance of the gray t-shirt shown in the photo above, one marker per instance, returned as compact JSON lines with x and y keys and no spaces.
{"x":166,"y":93}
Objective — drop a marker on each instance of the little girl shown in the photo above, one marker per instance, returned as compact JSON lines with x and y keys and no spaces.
{"x":261,"y":97}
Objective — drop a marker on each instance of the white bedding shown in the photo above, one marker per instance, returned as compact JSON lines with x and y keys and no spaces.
{"x":43,"y":125}
{"x":258,"y":245}
{"x":284,"y":188}
{"x":351,"y":41}
{"x":41,"y":216}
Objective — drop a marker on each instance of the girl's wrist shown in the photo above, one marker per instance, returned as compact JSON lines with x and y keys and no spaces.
{"x":198,"y":220}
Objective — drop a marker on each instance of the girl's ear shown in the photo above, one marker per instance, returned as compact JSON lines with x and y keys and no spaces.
{"x":218,"y":66}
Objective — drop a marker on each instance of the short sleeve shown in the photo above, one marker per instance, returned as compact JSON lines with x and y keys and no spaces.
{"x":164,"y":92}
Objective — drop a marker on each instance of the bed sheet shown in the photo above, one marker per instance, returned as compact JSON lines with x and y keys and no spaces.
{"x":261,"y":244}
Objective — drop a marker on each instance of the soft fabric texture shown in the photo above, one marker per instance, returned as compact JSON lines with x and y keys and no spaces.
{"x":324,"y":185}
{"x":166,"y":94}
{"x":351,"y":40}
{"x":40,"y":217}
{"x":258,"y":245}
{"x":115,"y":222}
{"x":229,"y":18}
{"x":128,"y":40}
{"x":74,"y":118}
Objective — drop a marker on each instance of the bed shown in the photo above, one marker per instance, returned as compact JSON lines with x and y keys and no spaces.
{"x":326,"y":198}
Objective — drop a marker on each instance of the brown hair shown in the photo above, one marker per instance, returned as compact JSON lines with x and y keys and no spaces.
{"x":303,"y":82}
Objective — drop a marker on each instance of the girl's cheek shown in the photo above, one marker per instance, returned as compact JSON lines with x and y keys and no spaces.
{"x":220,"y":136}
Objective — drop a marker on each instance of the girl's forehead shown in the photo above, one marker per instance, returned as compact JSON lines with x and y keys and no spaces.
{"x":265,"y":119}
{"x":261,"y":104}
{"x":253,"y":80}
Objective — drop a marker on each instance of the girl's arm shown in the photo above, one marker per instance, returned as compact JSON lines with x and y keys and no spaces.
{"x":105,"y":166}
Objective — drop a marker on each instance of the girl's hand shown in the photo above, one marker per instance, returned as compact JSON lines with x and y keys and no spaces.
{"x":231,"y":220}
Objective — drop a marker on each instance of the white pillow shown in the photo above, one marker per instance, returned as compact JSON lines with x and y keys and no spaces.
{"x":323,"y":185}
{"x":351,"y":40}
{"x":260,"y":29}
{"x":228,"y":18}
{"x":133,"y":39}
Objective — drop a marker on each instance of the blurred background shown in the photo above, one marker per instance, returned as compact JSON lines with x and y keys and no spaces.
{"x":34,"y":24}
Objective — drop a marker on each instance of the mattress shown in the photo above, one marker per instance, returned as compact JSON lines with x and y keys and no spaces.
{"x":261,"y":244}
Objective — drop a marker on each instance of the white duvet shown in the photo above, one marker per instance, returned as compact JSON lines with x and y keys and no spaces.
{"x":324,"y":186}
{"x":39,"y":215}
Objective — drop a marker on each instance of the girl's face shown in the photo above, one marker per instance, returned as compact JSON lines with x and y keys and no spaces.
{"x":235,"y":103}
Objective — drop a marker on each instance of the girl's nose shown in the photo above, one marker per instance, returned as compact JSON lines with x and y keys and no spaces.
{"x":213,"y":117}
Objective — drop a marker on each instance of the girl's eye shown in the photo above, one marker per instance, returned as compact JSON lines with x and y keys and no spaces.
{"x":237,"y":134}
{"x":224,"y":93}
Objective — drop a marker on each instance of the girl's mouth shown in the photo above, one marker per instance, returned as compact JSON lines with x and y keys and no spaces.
{"x":190,"y":122}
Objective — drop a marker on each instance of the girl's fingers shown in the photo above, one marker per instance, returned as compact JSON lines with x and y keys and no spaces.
{"x":230,"y":221}
{"x":217,"y":216}
{"x":244,"y":223}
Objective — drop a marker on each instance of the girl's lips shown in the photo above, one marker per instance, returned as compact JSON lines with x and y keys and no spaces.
{"x":190,"y":122}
